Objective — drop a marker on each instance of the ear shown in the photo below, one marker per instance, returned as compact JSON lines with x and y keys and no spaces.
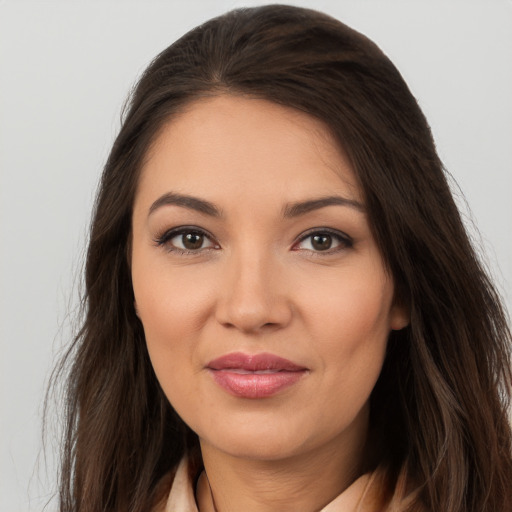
{"x":400,"y":317}
{"x":136,"y":309}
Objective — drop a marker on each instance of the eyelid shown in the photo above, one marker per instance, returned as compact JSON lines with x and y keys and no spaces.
{"x":345,"y":240}
{"x":163,"y":239}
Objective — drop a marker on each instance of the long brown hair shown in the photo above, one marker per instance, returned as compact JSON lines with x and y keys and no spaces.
{"x":439,"y":409}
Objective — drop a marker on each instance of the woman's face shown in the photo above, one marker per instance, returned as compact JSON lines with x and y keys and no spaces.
{"x":265,"y":302}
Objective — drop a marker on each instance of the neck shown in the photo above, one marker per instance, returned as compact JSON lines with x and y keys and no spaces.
{"x":308,"y":481}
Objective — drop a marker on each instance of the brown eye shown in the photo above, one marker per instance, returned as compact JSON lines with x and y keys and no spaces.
{"x":185,"y":240}
{"x":324,"y":241}
{"x":321,"y":242}
{"x":192,"y":241}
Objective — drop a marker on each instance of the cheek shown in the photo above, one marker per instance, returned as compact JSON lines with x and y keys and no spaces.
{"x":353,"y":309}
{"x":172,"y":311}
{"x":169,"y":321}
{"x":351,"y":323}
{"x":170,"y":304}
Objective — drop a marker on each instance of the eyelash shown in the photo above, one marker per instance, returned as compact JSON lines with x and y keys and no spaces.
{"x":163,"y":240}
{"x":345,"y":241}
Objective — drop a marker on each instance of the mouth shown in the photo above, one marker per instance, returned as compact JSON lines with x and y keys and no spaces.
{"x":254,"y":376}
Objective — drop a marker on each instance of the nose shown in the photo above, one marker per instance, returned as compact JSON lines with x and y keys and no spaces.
{"x":253,"y":297}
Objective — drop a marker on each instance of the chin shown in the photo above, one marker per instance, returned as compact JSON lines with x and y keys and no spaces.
{"x":256,"y":447}
{"x":265,"y":440}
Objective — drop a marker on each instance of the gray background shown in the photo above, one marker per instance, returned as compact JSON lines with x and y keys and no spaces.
{"x":65,"y":69}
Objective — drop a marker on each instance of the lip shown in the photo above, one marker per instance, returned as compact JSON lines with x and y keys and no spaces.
{"x":254,"y":375}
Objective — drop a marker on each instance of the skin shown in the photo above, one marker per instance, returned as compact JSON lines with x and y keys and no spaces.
{"x":259,"y":284}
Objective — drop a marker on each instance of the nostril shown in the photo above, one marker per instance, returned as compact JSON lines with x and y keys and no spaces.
{"x":251,"y":322}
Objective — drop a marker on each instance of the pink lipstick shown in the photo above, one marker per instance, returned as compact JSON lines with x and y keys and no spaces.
{"x":254,"y":376}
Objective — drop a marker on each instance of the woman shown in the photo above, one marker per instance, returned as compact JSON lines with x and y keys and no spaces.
{"x":284,"y":311}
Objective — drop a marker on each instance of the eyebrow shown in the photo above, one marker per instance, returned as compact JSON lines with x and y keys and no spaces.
{"x":302,"y":207}
{"x":291,"y":210}
{"x":185,"y":201}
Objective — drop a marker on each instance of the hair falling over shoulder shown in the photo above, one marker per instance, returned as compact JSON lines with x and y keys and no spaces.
{"x":439,"y":412}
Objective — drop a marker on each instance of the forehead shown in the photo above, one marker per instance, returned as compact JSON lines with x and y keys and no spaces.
{"x":228,"y":145}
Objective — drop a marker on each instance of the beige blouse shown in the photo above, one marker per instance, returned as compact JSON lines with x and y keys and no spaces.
{"x":361,"y":496}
